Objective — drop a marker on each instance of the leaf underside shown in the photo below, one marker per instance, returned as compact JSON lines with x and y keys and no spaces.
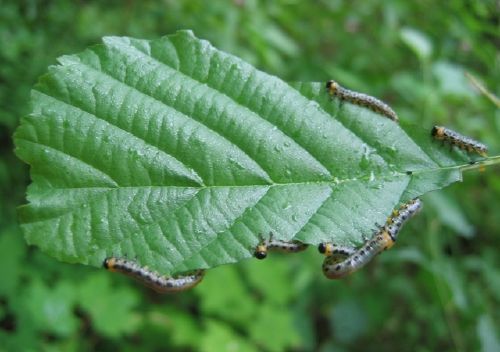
{"x":180,"y":155}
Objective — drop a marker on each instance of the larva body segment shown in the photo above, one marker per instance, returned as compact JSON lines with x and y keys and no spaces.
{"x":151,"y":279}
{"x":361,"y":99}
{"x":401,"y":216}
{"x":333,"y":268}
{"x":329,"y":249}
{"x":454,"y":138}
{"x":271,"y":244}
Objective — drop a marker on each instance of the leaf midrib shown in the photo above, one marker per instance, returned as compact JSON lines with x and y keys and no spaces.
{"x":333,"y":183}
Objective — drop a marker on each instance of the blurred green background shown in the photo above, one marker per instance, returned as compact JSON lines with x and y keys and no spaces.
{"x":439,"y":289}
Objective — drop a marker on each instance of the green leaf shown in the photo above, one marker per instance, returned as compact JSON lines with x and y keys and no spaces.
{"x":452,"y":80}
{"x":233,"y":302}
{"x":218,"y":336}
{"x":450,"y":213}
{"x":180,"y":155}
{"x":487,"y":333}
{"x":269,"y":319}
{"x":350,"y":321}
{"x":47,"y":309}
{"x":181,"y":326}
{"x":270,"y":278}
{"x":12,"y":255}
{"x":418,"y":42}
{"x":111,"y":310}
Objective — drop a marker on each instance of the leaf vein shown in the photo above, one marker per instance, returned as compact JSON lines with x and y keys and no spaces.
{"x":201,"y":123}
{"x":209,"y":86}
{"x":128,"y":133}
{"x":102,"y":173}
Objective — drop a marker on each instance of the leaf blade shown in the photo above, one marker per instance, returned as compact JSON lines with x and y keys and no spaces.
{"x":182,"y":156}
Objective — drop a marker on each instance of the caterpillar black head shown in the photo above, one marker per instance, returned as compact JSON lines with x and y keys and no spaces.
{"x":437,"y":132}
{"x":328,"y":249}
{"x":260,"y":251}
{"x":323,"y":247}
{"x":109,"y":263}
{"x":331,"y":87}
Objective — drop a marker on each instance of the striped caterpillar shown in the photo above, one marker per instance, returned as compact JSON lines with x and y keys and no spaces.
{"x":343,"y":262}
{"x":277,"y":245}
{"x":152,"y":279}
{"x":454,"y":138}
{"x":329,"y":249}
{"x":361,"y":99}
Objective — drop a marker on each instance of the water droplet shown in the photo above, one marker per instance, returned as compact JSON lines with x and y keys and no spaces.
{"x":143,"y":217}
{"x":366,"y":157}
{"x":294,"y":217}
{"x":372,"y":176}
{"x":136,"y":152}
{"x":236,"y":163}
{"x":314,"y":104}
{"x":367,"y":151}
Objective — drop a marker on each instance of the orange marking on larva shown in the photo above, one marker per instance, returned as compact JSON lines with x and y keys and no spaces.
{"x":387,"y":239}
{"x":329,"y":249}
{"x":333,"y":268}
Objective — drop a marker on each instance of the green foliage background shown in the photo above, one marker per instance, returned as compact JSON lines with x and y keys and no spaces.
{"x":438,"y":289}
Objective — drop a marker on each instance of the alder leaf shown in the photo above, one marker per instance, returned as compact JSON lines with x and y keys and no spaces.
{"x":180,"y":155}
